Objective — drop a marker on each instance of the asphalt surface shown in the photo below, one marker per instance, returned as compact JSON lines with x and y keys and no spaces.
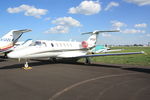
{"x":48,"y":81}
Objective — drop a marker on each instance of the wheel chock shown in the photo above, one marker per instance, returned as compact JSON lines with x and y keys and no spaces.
{"x":27,"y":68}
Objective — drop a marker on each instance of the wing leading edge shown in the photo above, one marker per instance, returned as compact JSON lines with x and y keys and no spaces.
{"x":111,"y":54}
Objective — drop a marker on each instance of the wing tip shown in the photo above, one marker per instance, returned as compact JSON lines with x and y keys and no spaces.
{"x":142,"y":52}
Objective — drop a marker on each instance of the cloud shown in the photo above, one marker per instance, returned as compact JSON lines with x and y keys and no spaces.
{"x":67,"y":21}
{"x":110,"y":5}
{"x":28,"y":10}
{"x":132,"y":31}
{"x":106,"y":35}
{"x":58,"y":29}
{"x":143,"y":25}
{"x":148,"y":35}
{"x":86,"y":8}
{"x":139,"y":2}
{"x":117,"y":24}
{"x":63,"y":25}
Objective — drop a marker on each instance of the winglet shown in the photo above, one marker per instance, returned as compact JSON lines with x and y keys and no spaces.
{"x":142,"y":52}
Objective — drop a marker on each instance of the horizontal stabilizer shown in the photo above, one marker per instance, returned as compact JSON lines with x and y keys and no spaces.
{"x":97,"y":32}
{"x":22,"y":31}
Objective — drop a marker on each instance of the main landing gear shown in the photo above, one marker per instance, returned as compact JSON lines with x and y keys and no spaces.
{"x":26,"y":66}
{"x":53,"y":60}
{"x":87,"y":60}
{"x":5,"y":55}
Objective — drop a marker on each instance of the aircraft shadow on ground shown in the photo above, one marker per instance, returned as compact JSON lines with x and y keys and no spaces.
{"x":33,"y":64}
{"x":37,"y":63}
{"x":136,"y":69}
{"x":144,"y":70}
{"x":1,"y":60}
{"x":130,"y":68}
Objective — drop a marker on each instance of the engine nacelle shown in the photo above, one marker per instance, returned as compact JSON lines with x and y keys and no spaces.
{"x":84,"y":44}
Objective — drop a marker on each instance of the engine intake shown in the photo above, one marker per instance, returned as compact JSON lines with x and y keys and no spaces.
{"x":84,"y":44}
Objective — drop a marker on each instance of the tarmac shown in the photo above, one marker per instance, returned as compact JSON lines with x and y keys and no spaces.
{"x":66,"y":81}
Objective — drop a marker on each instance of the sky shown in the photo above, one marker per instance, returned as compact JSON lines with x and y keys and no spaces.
{"x":67,"y":19}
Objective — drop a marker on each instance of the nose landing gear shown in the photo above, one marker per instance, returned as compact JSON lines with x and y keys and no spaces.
{"x":26,"y":66}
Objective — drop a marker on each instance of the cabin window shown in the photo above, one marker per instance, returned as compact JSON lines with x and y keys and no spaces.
{"x":70,"y":45}
{"x":57,"y":44}
{"x":64,"y":44}
{"x":52,"y":44}
{"x":60,"y":44}
{"x":67,"y":44}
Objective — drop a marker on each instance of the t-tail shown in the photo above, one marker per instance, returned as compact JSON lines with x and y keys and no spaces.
{"x":92,"y":40}
{"x":9,"y":40}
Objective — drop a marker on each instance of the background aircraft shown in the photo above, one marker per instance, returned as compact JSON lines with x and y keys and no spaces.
{"x":61,"y":49}
{"x":8,"y":41}
{"x":102,"y":49}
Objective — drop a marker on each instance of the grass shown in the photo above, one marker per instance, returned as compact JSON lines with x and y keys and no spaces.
{"x":137,"y":59}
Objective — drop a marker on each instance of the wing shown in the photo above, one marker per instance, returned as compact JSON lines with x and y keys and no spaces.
{"x":111,"y":54}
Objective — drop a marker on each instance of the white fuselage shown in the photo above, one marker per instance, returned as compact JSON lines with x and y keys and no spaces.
{"x":43,"y":48}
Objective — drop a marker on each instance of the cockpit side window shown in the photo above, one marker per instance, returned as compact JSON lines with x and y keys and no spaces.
{"x":44,"y":44}
{"x":36,"y":43}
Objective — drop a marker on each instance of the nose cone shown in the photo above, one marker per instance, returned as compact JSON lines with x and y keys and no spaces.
{"x":13,"y":55}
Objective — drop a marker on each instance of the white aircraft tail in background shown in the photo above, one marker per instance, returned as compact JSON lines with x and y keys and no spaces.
{"x":9,"y":40}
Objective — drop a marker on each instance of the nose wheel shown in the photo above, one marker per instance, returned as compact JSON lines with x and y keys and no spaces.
{"x":26,"y":66}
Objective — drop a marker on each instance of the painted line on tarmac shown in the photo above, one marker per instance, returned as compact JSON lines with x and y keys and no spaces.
{"x":111,"y":87}
{"x":84,"y":82}
{"x":135,"y":96}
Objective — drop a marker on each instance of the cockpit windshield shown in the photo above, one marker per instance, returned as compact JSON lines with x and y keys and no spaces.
{"x":38,"y":43}
{"x":28,"y":41}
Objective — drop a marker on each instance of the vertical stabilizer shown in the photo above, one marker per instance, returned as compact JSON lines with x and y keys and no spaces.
{"x":8,"y":40}
{"x":93,"y":38}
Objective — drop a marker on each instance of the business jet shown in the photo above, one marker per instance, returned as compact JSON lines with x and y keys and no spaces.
{"x":54,"y":50}
{"x":8,"y":41}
